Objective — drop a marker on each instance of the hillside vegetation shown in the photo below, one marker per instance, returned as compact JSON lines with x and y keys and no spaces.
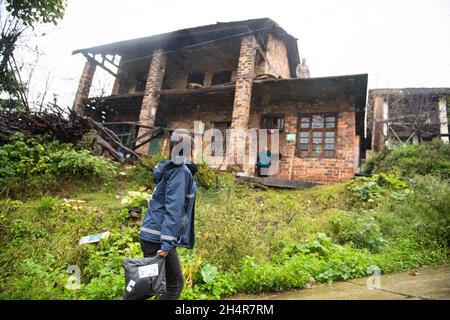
{"x":247,"y":240}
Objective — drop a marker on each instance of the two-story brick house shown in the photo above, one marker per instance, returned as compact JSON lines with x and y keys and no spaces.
{"x":237,"y":75}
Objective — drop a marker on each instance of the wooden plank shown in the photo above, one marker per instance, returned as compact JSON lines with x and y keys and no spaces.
{"x":151,"y":134}
{"x":108,"y":147}
{"x":101,"y":65}
{"x":278,"y":182}
{"x":148,"y":139}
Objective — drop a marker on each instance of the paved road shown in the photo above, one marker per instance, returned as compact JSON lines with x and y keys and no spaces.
{"x":429,"y":283}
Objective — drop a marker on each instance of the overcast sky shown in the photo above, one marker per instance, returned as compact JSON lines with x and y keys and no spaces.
{"x":398,"y":43}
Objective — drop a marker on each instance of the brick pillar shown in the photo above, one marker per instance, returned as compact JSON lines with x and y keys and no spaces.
{"x":443,"y":119}
{"x":84,"y":87}
{"x":243,"y":93}
{"x":151,"y":97}
{"x":378,"y":125}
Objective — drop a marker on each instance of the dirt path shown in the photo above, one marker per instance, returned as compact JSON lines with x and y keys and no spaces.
{"x":429,"y":283}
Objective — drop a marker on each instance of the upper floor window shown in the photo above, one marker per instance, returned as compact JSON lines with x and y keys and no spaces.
{"x":316,"y":136}
{"x":196,"y":77}
{"x":141,"y":80}
{"x":221,"y":77}
{"x":166,"y":83}
{"x":272,"y":122}
{"x":217,"y":147}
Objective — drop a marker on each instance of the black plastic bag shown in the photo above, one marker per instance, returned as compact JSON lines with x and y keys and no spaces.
{"x":144,"y":277}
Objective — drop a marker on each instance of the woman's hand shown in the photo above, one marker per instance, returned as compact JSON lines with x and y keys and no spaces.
{"x":162,"y":253}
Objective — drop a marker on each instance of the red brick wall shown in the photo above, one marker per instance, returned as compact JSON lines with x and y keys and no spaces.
{"x":277,"y":58}
{"x":320,"y":170}
{"x":183,"y":116}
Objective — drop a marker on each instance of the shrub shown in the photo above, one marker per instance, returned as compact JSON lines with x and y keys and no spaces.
{"x":370,"y":189}
{"x":142,"y":173}
{"x":210,"y":283}
{"x":266,"y":277}
{"x":41,"y":165}
{"x":369,"y":164}
{"x":205,"y":176}
{"x":362,"y":231}
{"x":136,"y":199}
{"x":319,"y":259}
{"x":38,"y":280}
{"x":427,"y":210}
{"x":409,"y":160}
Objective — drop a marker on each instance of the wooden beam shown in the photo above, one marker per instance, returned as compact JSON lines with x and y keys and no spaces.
{"x":108,"y":147}
{"x":100,"y":65}
{"x":150,"y":133}
{"x":110,"y":61}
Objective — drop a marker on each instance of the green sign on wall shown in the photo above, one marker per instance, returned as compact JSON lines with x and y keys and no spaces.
{"x":290,"y":137}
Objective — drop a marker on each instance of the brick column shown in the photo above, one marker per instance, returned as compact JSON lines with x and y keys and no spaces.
{"x":443,"y":119}
{"x":378,"y":125}
{"x":151,"y":97}
{"x":243,"y":93}
{"x":84,"y":87}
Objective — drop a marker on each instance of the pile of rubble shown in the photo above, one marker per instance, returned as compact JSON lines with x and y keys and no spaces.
{"x":64,"y":126}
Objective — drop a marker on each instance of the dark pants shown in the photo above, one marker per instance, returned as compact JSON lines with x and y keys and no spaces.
{"x":174,"y":275}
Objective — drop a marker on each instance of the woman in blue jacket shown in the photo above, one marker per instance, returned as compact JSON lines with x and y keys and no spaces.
{"x":169,"y":220}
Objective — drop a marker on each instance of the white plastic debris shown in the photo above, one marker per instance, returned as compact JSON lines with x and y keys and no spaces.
{"x":94,"y":237}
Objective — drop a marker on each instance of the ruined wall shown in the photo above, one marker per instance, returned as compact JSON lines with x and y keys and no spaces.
{"x":320,"y":170}
{"x":183,"y":116}
{"x":84,"y":87}
{"x":210,"y":59}
{"x":277,"y":58}
{"x":129,"y":67}
{"x":150,"y":100}
{"x":246,"y":72}
{"x":223,"y":56}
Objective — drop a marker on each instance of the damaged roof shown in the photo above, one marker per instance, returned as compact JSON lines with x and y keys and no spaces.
{"x":190,"y":37}
{"x":409,"y":91}
{"x":326,"y":88}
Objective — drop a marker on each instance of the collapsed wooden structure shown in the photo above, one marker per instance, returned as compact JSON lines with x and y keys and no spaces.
{"x":68,"y":127}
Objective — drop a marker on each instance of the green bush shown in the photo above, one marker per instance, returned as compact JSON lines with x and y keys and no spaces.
{"x":405,"y":254}
{"x":319,"y":259}
{"x":374,"y":188}
{"x":369,"y":164}
{"x":142,"y":173}
{"x":209,"y":283}
{"x":41,"y":165}
{"x":247,"y":240}
{"x":409,"y":160}
{"x":362,"y":231}
{"x":427,"y":211}
{"x":267,"y":277}
{"x":205,"y":176}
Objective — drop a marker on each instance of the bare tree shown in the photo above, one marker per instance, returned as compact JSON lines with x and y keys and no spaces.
{"x":414,"y":113}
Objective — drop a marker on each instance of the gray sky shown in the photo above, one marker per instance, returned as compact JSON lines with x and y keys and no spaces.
{"x":398,"y":43}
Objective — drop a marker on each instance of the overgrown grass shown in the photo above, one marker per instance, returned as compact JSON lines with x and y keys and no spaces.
{"x":409,"y":160}
{"x":39,"y":166}
{"x":247,"y":240}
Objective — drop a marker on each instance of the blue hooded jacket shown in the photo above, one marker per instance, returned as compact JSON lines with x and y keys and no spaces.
{"x":169,"y":219}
